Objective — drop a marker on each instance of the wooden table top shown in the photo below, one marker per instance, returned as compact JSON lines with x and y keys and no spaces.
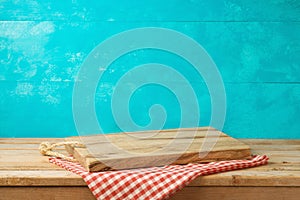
{"x":21,"y":164}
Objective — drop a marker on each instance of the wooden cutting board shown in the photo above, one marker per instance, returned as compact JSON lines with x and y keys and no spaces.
{"x":156,"y":148}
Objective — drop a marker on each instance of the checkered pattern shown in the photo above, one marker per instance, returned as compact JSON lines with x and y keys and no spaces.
{"x":151,"y":183}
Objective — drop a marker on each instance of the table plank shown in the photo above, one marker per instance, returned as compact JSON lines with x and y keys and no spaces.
{"x":237,"y":193}
{"x":191,"y":193}
{"x":28,"y":168}
{"x":40,"y":178}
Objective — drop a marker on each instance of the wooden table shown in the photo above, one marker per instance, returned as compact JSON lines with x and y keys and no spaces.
{"x":25,"y":174}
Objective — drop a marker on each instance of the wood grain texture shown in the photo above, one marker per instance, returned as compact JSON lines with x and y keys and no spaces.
{"x":192,"y":193}
{"x":156,"y":148}
{"x":46,"y":193}
{"x":238,"y":193}
{"x":35,"y":170}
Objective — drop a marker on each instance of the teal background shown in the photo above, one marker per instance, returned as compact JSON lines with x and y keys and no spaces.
{"x":255,"y":44}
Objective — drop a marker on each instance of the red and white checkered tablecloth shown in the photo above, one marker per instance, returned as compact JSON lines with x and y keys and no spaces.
{"x":151,"y":183}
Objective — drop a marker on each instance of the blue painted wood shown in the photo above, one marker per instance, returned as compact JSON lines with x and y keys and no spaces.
{"x":253,"y":110}
{"x":151,"y":10}
{"x":31,"y":109}
{"x":255,"y":44}
{"x":263,"y":110}
{"x":243,"y":51}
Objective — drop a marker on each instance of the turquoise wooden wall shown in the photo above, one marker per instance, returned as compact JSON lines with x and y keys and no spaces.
{"x":255,"y":44}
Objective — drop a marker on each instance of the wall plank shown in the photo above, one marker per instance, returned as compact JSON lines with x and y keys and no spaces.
{"x":243,"y":51}
{"x":151,"y":10}
{"x":253,"y":110}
